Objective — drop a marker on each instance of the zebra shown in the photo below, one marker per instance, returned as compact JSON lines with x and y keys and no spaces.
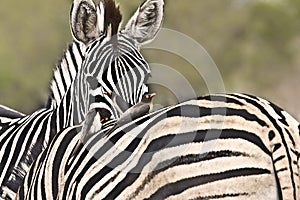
{"x":63,"y":76}
{"x":111,"y":57}
{"x":7,"y":115}
{"x":223,"y":146}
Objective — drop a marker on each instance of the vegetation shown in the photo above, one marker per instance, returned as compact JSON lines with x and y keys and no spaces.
{"x":255,"y":45}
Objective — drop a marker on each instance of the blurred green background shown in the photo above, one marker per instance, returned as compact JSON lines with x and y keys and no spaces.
{"x":255,"y":45}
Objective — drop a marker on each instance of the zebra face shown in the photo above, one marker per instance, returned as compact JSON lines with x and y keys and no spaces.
{"x":117,"y":66}
{"x":113,"y":61}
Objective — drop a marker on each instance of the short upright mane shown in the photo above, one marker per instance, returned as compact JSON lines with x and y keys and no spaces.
{"x":113,"y":16}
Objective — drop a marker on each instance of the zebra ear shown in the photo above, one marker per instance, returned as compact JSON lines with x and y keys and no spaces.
{"x":145,"y":23}
{"x":87,"y":20}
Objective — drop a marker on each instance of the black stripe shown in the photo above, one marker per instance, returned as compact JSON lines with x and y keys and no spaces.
{"x":248,"y":95}
{"x":271,"y":135}
{"x":295,"y":163}
{"x":19,"y":145}
{"x":91,"y":46}
{"x":185,"y":160}
{"x":172,"y":141}
{"x":58,"y":159}
{"x":281,"y":170}
{"x":92,"y":181}
{"x":190,"y":111}
{"x":278,"y":159}
{"x":30,"y":154}
{"x":276,"y":147}
{"x":280,"y":131}
{"x":73,"y":58}
{"x":69,"y":71}
{"x":180,"y":186}
{"x":113,"y":71}
{"x":80,"y":175}
{"x":279,"y":191}
{"x":61,"y":114}
{"x":36,"y":189}
{"x":279,"y":111}
{"x":34,"y":174}
{"x":79,"y":49}
{"x":224,"y":99}
{"x":290,"y":136}
{"x":62,"y":79}
{"x":117,"y":136}
{"x":102,"y":150}
{"x":43,"y":187}
{"x":296,"y":153}
{"x":221,"y":196}
{"x":53,"y":126}
{"x":59,"y":92}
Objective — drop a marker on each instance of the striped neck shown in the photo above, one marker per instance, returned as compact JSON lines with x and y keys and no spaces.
{"x":65,"y":72}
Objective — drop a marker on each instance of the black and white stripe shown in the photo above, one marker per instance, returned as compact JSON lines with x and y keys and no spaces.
{"x":7,"y":115}
{"x":23,"y":137}
{"x":123,"y":71}
{"x":230,"y":146}
{"x":14,"y":126}
{"x":65,"y":73}
{"x":22,"y":140}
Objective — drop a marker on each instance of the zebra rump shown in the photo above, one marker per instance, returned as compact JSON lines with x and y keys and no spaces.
{"x":230,"y":146}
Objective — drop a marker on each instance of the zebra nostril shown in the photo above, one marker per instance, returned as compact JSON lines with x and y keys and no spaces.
{"x":100,"y":98}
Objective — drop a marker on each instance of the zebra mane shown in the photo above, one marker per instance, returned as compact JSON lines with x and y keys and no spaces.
{"x":113,"y":16}
{"x":53,"y":100}
{"x":64,"y":73}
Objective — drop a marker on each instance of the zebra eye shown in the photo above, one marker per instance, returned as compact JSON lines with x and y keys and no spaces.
{"x":93,"y":82}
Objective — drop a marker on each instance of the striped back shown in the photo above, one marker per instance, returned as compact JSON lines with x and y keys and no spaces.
{"x":224,"y":146}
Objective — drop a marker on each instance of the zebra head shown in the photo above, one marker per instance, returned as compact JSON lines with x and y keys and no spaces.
{"x":113,"y":62}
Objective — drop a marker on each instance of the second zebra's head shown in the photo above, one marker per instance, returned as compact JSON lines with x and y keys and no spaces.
{"x":113,"y":62}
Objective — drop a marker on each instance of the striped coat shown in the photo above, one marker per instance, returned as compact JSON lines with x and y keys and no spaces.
{"x":231,"y":146}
